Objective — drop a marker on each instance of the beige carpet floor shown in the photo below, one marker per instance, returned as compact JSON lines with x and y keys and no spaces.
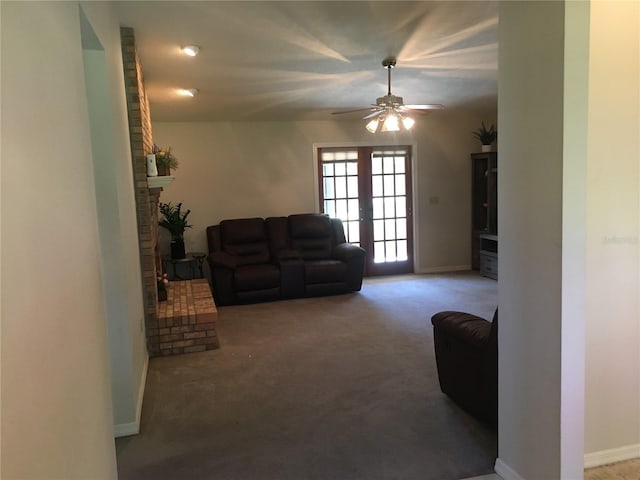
{"x":339,"y":388}
{"x":628,"y":470}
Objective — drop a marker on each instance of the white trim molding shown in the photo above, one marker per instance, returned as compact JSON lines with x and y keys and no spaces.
{"x":506,"y":472}
{"x":613,"y":455}
{"x":159,"y":181}
{"x":491,"y":476}
{"x":126,"y":429}
{"x":133,"y":428}
{"x":445,"y":269}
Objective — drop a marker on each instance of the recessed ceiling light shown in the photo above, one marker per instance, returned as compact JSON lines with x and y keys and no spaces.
{"x":188,"y":92}
{"x":191,"y":50}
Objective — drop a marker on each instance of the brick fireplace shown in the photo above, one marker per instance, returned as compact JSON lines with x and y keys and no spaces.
{"x":186,"y":321}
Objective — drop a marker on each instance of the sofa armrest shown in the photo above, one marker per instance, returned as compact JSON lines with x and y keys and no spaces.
{"x":222,"y":268}
{"x":291,"y":273}
{"x":347,"y":251}
{"x":467,"y":361}
{"x":353,"y":257}
{"x":464,"y":327}
{"x":222,"y":259}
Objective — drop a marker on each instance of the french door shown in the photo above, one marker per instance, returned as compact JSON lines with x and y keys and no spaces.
{"x":369,"y":189}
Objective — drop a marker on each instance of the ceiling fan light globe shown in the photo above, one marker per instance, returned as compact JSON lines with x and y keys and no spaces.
{"x":391,"y":124}
{"x":408,"y":122}
{"x":372,"y":126}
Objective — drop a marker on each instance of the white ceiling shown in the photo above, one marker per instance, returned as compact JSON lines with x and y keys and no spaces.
{"x":305,"y":59}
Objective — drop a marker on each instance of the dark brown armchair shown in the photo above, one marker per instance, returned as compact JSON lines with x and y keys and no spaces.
{"x":466,"y":348}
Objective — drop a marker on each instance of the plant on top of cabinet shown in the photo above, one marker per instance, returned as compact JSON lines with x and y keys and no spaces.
{"x":486,"y":136}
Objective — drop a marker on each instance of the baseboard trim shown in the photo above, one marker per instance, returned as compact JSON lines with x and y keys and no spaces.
{"x":126,"y":429}
{"x":491,"y":476}
{"x":613,"y":455}
{"x":451,"y":268}
{"x":505,"y":471}
{"x":133,"y":428}
{"x":595,"y":459}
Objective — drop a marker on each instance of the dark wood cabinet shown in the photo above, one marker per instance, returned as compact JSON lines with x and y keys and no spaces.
{"x":484,"y":213}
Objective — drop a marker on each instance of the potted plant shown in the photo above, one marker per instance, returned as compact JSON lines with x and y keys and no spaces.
{"x":165,"y":160}
{"x":176,"y":222}
{"x":486,"y":136}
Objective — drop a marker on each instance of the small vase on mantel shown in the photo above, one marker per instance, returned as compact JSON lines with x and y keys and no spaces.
{"x":152,"y":168}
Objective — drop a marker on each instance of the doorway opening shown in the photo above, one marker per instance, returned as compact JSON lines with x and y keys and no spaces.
{"x":369,"y":189}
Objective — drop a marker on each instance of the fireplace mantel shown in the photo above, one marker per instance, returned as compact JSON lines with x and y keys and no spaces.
{"x":159,"y":182}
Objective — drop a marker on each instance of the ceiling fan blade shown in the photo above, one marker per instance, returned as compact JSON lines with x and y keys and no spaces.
{"x":421,"y":113}
{"x":374,"y":114}
{"x":351,"y":111}
{"x":429,"y":106}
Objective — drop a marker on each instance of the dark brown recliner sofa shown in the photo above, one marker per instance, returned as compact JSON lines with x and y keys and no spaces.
{"x":466,"y":348}
{"x":254,"y":259}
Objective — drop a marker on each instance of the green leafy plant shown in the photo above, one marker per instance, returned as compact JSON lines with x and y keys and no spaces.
{"x":486,"y":135}
{"x":164,"y":157}
{"x":174,"y":220}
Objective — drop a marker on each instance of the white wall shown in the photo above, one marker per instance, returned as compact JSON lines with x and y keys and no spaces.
{"x":116,"y":217}
{"x":244,"y":169}
{"x":56,"y":403}
{"x":612,"y":420}
{"x":591,"y":143}
{"x":574,"y":212}
{"x":56,"y":396}
{"x":530,"y":113}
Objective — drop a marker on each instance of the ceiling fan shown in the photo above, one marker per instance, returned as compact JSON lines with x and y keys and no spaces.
{"x":390,"y":110}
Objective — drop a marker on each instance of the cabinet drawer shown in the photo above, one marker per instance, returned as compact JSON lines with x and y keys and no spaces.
{"x":489,"y":265}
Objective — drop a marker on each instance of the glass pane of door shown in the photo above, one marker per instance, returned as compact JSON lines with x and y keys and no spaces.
{"x":340,"y":191}
{"x":389,"y":200}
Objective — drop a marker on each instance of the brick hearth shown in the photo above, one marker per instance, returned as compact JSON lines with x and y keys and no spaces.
{"x":187,"y":320}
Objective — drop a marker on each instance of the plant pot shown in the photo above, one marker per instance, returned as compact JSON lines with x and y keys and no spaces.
{"x":486,"y":148}
{"x":177,"y":249}
{"x":163,"y":170}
